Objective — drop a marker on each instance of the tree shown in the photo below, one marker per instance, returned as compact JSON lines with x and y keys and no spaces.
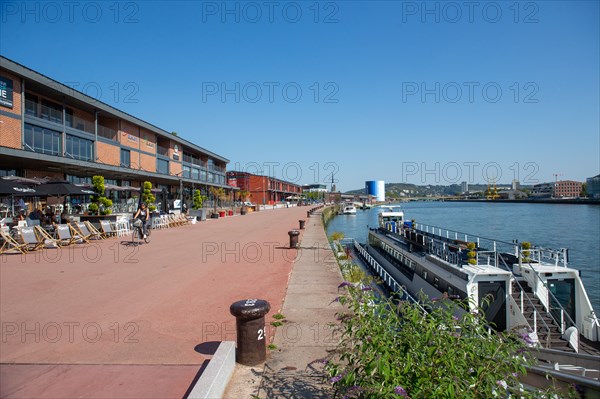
{"x":174,"y":133}
{"x":583,"y":192}
{"x":244,"y":195}
{"x":148,"y":197}
{"x":218,"y":194}
{"x":100,"y":204}
{"x":198,"y":199}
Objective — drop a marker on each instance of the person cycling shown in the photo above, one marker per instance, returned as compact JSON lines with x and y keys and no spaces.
{"x":142,"y":215}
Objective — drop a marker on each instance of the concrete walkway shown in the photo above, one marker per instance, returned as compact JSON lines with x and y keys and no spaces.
{"x":293,"y":370}
{"x":112,"y":320}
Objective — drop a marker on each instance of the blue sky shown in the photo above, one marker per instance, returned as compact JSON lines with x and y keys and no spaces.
{"x":399,"y":91}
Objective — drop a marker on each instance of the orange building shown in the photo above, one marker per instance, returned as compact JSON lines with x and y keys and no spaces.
{"x":567,"y":189}
{"x":50,"y":130}
{"x":263,"y":189}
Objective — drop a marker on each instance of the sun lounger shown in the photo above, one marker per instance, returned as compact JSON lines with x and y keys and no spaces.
{"x":66,"y":235}
{"x":49,"y":241}
{"x":107,"y":228}
{"x":10,"y":245}
{"x":82,"y":230}
{"x":31,"y":239}
{"x":94,"y":231}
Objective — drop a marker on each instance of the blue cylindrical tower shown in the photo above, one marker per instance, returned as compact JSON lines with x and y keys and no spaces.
{"x":375,"y":188}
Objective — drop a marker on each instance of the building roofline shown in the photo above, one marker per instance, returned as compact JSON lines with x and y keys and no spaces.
{"x":270,"y":177}
{"x":23,"y":71}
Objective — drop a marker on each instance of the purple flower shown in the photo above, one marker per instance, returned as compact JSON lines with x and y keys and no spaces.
{"x":337,"y":299}
{"x":502,"y":384}
{"x":515,"y":375}
{"x":335,"y":379}
{"x":355,"y":388}
{"x":434,"y":299}
{"x":344,"y":284}
{"x":366,"y":288}
{"x":401,"y":391}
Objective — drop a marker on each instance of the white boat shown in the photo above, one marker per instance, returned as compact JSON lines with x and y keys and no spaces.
{"x":349,"y":209}
{"x":529,"y":290}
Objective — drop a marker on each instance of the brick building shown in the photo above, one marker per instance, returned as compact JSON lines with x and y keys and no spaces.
{"x":567,"y":189}
{"x":263,"y":189}
{"x":50,"y":130}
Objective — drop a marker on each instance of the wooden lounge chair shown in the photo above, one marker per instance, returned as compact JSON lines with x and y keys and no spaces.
{"x":10,"y":245}
{"x":48,"y":239}
{"x":95,"y":232}
{"x":107,"y":228}
{"x":82,"y":231}
{"x":31,"y":239}
{"x":65,"y":235}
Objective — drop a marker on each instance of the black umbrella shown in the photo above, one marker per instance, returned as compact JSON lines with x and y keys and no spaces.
{"x":13,"y":188}
{"x":60,"y":188}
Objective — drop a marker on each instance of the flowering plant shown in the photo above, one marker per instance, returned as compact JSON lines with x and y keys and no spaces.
{"x":394,"y":349}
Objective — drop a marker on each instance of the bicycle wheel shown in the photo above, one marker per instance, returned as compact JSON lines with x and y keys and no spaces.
{"x":147,"y":239}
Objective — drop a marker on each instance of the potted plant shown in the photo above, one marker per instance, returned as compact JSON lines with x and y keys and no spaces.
{"x":471,"y":255}
{"x":218,"y":194}
{"x":197,"y":205}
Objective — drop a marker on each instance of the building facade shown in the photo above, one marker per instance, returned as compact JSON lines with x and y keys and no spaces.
{"x":593,"y":187}
{"x":567,"y":189}
{"x":263,"y":189}
{"x":50,"y":130}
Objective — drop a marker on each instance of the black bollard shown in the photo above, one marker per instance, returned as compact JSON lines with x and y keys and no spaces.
{"x":307,"y":214}
{"x":293,"y":238}
{"x":250,"y":328}
{"x":301,"y":224}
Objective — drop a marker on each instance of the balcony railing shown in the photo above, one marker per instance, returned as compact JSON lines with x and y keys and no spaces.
{"x":107,"y":133}
{"x":43,"y":112}
{"x":80,"y":124}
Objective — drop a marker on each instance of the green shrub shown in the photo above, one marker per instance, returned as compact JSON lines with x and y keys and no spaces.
{"x":393,"y":349}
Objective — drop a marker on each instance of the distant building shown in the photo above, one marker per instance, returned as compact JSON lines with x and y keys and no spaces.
{"x":593,"y":186}
{"x":512,"y":194}
{"x":567,"y":189}
{"x":263,"y":189}
{"x":542,"y":190}
{"x":376,"y":188}
{"x":464,"y":187}
{"x":515,"y":185}
{"x":314,"y":188}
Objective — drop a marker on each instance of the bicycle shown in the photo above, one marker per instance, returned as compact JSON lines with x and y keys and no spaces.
{"x":137,"y":233}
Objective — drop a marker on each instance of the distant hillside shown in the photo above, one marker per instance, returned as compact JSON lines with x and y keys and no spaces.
{"x":398,"y":190}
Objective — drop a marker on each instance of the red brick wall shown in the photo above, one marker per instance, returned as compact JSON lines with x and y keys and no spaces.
{"x":148,"y":141}
{"x":129,"y":135}
{"x":108,"y":154}
{"x":10,"y":128}
{"x":148,"y":162}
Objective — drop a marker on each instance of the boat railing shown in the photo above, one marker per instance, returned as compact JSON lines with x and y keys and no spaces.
{"x":387,"y":278}
{"x":557,"y":310}
{"x":522,"y":298}
{"x":547,"y":256}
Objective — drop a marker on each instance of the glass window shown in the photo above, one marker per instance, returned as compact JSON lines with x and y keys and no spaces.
{"x":162,"y":166}
{"x":125,"y":158}
{"x":195,"y":173}
{"x":38,"y":139}
{"x":202,"y":175}
{"x":186,"y":171}
{"x":78,"y":148}
{"x":31,"y":104}
{"x":51,"y":111}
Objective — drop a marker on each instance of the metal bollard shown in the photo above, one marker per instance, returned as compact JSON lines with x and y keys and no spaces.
{"x":307,"y":214}
{"x":293,"y":238}
{"x":250,"y":328}
{"x":301,"y":224}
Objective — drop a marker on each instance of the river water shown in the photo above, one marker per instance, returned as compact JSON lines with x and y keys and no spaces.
{"x":576,"y":227}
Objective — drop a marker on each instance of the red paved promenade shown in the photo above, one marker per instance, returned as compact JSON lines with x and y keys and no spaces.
{"x":108,"y":319}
